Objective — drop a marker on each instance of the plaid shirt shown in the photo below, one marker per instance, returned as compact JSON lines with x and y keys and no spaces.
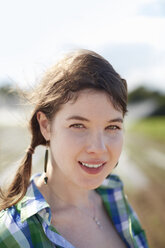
{"x":28,"y":223}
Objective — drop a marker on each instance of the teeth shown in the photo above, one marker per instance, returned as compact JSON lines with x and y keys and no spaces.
{"x":91,"y":165}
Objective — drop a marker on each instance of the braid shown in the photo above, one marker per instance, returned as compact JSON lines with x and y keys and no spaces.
{"x":19,"y":185}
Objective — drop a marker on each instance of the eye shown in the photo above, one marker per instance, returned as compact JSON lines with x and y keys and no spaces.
{"x":113,"y":127}
{"x":77,"y":125}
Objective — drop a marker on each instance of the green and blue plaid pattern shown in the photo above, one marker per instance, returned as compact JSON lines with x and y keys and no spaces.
{"x":28,"y":224}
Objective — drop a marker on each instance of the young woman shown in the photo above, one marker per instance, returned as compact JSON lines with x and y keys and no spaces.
{"x":77,"y":202}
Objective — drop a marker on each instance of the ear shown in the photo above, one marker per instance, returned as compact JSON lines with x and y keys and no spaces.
{"x":44,"y":124}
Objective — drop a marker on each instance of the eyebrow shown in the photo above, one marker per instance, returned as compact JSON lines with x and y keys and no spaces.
{"x":80,"y":118}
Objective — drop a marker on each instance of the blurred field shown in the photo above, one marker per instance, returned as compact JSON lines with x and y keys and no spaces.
{"x":144,"y":146}
{"x":15,"y":139}
{"x":153,"y":127}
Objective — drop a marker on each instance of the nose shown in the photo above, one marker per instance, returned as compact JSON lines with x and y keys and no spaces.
{"x":96,"y":144}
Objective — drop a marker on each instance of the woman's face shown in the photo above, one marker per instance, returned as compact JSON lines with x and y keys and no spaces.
{"x":86,"y":138}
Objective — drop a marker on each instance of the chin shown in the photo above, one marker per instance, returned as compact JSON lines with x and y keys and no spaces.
{"x":92,"y":184}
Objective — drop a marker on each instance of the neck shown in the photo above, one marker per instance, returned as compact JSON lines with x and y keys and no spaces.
{"x":60,"y":193}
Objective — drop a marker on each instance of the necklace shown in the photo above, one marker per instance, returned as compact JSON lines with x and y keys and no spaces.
{"x":97,"y":222}
{"x":94,"y":217}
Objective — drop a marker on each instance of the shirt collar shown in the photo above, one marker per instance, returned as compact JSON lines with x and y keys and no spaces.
{"x":32,"y":203}
{"x":112,"y":182}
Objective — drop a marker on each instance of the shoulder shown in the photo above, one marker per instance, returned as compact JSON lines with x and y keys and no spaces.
{"x":12,"y":229}
{"x":14,"y":232}
{"x":7,"y":217}
{"x":7,"y":224}
{"x":20,"y":225}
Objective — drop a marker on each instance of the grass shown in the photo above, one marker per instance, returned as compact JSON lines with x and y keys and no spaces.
{"x":153,"y":127}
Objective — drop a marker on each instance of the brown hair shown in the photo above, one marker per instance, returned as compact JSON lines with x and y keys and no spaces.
{"x":80,"y":70}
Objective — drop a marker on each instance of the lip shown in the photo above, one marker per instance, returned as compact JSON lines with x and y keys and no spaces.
{"x":93,"y":162}
{"x":92,"y":170}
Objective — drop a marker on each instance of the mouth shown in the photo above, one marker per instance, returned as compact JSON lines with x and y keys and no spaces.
{"x":92,"y":168}
{"x":91,"y":165}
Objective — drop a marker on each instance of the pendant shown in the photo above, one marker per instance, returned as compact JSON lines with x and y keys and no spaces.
{"x":97,"y":222}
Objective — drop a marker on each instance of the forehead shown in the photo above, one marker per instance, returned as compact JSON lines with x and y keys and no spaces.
{"x":93,"y":95}
{"x":87,"y":94}
{"x":89,"y":102}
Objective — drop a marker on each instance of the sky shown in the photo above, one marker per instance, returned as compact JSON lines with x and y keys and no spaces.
{"x":129,"y":33}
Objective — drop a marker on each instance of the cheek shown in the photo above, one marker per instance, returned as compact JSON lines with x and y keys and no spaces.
{"x":119,"y":140}
{"x":66,"y":143}
{"x":116,"y":142}
{"x":74,"y":139}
